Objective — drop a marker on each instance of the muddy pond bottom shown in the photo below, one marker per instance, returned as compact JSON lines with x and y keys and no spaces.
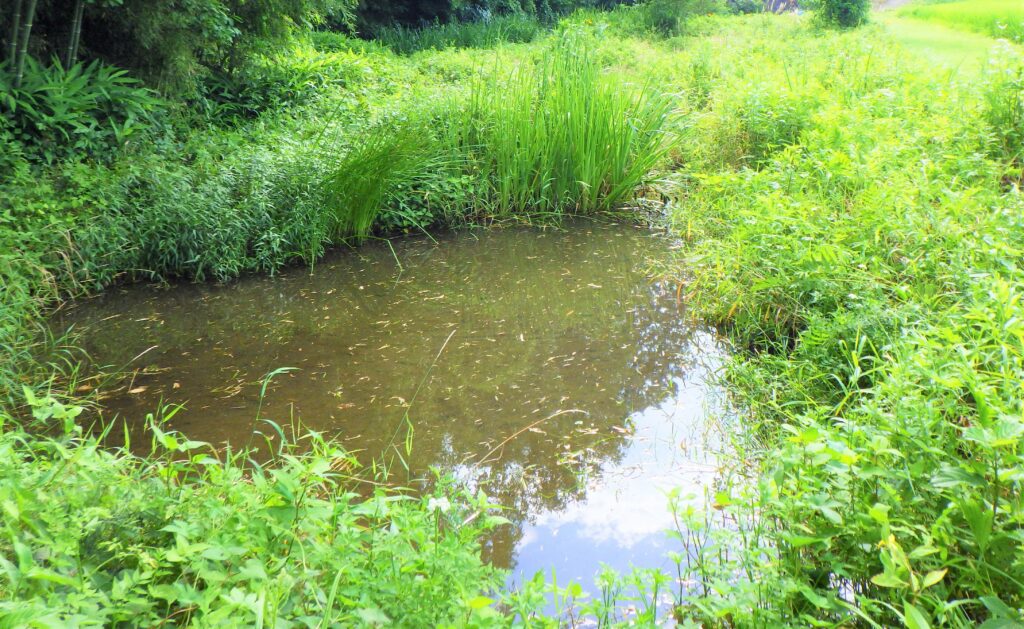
{"x":543,"y":365}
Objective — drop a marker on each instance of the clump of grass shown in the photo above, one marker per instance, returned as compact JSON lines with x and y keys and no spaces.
{"x":1004,"y":110}
{"x":386,"y":160}
{"x":555,"y":138}
{"x":562,"y":137}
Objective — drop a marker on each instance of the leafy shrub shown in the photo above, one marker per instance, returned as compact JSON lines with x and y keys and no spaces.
{"x":668,"y":17}
{"x":1004,"y":110}
{"x":746,"y":6}
{"x":842,"y":13}
{"x":87,"y":109}
{"x":172,"y":44}
{"x":276,"y":83}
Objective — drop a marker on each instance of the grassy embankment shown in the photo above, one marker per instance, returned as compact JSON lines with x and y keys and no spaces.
{"x":853,"y":223}
{"x":995,"y":18}
{"x":861,"y":240}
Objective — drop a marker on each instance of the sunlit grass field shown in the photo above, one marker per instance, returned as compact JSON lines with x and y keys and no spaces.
{"x":995,"y":18}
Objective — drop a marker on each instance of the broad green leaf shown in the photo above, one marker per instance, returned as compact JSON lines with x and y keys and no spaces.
{"x":914,"y":618}
{"x":933,"y":577}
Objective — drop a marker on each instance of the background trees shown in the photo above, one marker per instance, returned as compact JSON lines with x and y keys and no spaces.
{"x":168,"y":43}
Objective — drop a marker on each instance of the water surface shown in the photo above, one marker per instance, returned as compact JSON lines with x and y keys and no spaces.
{"x":544,"y":364}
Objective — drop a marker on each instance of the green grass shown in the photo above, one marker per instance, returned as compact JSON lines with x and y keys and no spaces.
{"x":480,"y":34}
{"x":995,"y":18}
{"x":387,"y":160}
{"x":559,"y":137}
{"x":869,"y":269}
{"x":956,"y":50}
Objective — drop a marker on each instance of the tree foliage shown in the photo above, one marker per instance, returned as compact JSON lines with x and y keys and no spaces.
{"x":843,"y":13}
{"x":373,"y":14}
{"x":169,"y":43}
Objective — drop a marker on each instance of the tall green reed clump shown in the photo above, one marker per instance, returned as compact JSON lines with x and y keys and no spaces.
{"x":389,"y":159}
{"x":561,"y":136}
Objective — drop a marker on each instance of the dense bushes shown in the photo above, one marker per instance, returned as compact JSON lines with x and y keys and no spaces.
{"x":172,"y":44}
{"x":852,"y":223}
{"x":478,"y":34}
{"x":373,"y":15}
{"x":88,"y":110}
{"x":843,"y":13}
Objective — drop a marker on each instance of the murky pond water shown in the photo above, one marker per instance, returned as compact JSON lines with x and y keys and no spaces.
{"x":544,"y":363}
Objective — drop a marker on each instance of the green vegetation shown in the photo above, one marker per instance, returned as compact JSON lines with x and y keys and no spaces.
{"x":876,"y":301}
{"x":516,"y":28}
{"x":194,"y":537}
{"x":961,"y":53}
{"x":561,"y":138}
{"x":173,"y":48}
{"x":852,"y":221}
{"x":843,"y":13}
{"x":996,"y":18}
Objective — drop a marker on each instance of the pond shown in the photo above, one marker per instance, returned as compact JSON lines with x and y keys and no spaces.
{"x":543,"y":364}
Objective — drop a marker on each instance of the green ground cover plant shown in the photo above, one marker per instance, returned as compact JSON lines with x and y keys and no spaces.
{"x":516,"y":28}
{"x":191,"y":536}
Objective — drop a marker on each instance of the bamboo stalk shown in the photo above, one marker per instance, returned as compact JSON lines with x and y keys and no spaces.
{"x":22,"y":52}
{"x":12,"y":43}
{"x":71,"y":55}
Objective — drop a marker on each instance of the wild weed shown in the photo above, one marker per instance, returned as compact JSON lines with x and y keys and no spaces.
{"x":87,"y":109}
{"x":487,"y":33}
{"x":189,"y":535}
{"x":996,"y":18}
